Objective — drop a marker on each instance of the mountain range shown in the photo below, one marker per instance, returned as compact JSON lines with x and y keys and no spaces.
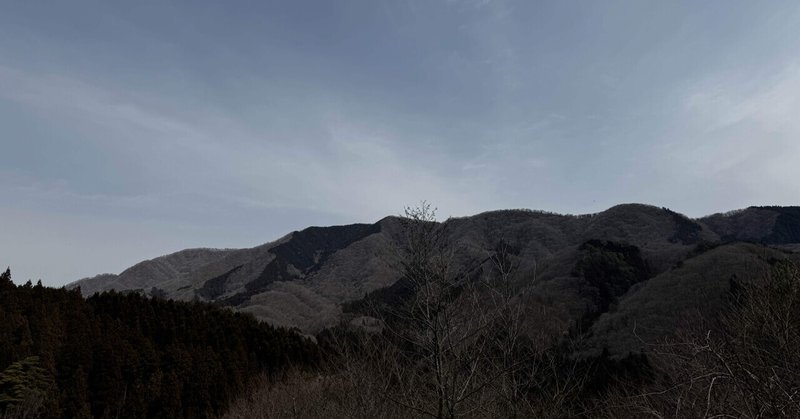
{"x":619,"y":277}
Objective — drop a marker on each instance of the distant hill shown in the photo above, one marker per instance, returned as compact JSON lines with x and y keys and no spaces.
{"x":673,"y":300}
{"x":769,"y":225}
{"x":305,"y":278}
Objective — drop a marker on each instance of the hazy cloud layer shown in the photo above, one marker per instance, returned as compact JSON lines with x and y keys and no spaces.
{"x":129,"y":131}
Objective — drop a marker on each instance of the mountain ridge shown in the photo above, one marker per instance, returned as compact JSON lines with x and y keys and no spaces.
{"x":304,"y":278}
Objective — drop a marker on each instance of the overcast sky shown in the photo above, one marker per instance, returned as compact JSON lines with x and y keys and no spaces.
{"x":133,"y":129}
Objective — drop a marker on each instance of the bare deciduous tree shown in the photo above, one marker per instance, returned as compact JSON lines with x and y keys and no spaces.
{"x":746,"y":365}
{"x":454,"y":342}
{"x":460,"y":333}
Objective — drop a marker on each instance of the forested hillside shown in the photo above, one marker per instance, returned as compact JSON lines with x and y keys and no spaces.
{"x":713,"y":335}
{"x":119,"y":355}
{"x":305,"y":278}
{"x":511,"y":313}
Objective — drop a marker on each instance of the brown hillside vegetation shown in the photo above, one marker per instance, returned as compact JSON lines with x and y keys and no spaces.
{"x":711,"y":335}
{"x":634,"y":311}
{"x":511,"y":313}
{"x":303,"y":279}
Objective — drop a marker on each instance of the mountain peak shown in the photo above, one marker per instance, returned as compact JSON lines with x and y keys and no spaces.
{"x":304,"y":278}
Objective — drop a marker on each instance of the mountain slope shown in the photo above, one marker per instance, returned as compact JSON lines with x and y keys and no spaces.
{"x":769,"y":225}
{"x":297,"y":281}
{"x":302,"y":279}
{"x":696,"y":288}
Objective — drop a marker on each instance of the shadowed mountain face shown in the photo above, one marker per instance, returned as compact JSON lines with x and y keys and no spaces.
{"x":595,"y":272}
{"x":769,"y":225}
{"x":298,"y":280}
{"x":696,"y":288}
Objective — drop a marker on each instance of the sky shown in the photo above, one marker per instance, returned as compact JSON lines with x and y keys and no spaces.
{"x":133,"y":129}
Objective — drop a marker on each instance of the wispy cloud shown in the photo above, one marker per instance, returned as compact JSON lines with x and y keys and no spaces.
{"x":772,"y":102}
{"x":241,"y":124}
{"x":734,"y":143}
{"x":360,"y":174}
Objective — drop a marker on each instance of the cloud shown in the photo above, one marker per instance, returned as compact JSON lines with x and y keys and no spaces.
{"x":295,"y":116}
{"x":356,"y":170}
{"x":733,"y":143}
{"x":373,"y":175}
{"x":772,"y":103}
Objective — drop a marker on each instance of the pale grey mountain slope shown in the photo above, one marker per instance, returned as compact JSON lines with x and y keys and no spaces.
{"x":299,"y":280}
{"x":152,"y":273}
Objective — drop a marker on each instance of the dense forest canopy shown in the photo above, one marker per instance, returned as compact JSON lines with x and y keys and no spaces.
{"x":124,"y":355}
